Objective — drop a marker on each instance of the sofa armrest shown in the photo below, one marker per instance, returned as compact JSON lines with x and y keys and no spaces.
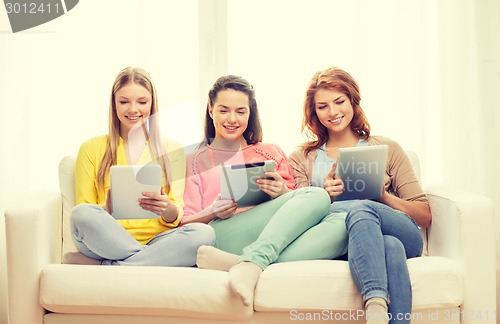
{"x":462,"y":229}
{"x":33,"y":240}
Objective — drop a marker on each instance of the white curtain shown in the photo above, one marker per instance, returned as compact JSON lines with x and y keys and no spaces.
{"x":56,"y":79}
{"x":416,"y":63}
{"x":429,"y":73}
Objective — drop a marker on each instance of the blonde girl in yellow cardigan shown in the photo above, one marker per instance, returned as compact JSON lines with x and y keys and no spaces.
{"x":133,"y":138}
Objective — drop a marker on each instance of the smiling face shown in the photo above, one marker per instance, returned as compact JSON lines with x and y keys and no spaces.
{"x":133,"y":106}
{"x":334,"y":111}
{"x":230,"y":113}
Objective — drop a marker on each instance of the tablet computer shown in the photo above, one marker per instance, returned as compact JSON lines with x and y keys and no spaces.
{"x":238,"y":182}
{"x":362,"y":169}
{"x":128,"y":182}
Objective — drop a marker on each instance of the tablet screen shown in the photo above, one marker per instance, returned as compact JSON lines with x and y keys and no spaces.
{"x":362,"y":169}
{"x":238,"y":182}
{"x":128,"y":182}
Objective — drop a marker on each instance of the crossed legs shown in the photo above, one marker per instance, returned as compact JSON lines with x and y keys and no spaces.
{"x":380,"y":241}
{"x":102,"y":240}
{"x":285,"y":219}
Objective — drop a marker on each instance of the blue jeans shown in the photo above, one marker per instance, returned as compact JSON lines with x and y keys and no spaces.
{"x":380,"y":240}
{"x":99,"y":236}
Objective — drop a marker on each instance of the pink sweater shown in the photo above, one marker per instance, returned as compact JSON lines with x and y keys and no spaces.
{"x":203,"y":169}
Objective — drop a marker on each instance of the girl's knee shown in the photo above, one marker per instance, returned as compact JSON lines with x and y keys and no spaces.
{"x":363,"y":204}
{"x":362,"y":209}
{"x":204,"y":233}
{"x":315,"y":198}
{"x":319,"y":195}
{"x":80,"y":213}
{"x":311,"y":191}
{"x":87,"y":216}
{"x":393,"y":246}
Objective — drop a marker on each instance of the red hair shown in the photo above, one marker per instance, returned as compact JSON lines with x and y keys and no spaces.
{"x":331,"y":79}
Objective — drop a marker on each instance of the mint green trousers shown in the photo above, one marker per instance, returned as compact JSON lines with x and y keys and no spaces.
{"x":295,"y":226}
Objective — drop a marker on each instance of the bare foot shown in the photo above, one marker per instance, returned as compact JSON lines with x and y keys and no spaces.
{"x":243,"y":278}
{"x":78,"y":258}
{"x":209,"y":257}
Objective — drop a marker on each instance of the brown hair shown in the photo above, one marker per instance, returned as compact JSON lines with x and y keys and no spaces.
{"x":253,"y":133}
{"x":332,"y":79}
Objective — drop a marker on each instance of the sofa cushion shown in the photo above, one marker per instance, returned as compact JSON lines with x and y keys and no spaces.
{"x":320,"y":284}
{"x":437,"y":283}
{"x":156,"y":291}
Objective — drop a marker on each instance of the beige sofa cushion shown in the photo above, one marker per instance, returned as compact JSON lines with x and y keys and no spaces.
{"x":168,"y":291}
{"x":436,"y":282}
{"x":155,"y":291}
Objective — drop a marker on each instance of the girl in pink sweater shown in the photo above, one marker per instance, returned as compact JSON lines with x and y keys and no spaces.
{"x":248,"y":239}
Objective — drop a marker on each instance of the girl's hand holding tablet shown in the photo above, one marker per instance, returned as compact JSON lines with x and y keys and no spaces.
{"x":273,"y":184}
{"x":224,"y":208}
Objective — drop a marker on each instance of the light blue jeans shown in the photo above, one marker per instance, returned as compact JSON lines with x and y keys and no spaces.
{"x":99,"y":236}
{"x":381,"y":239}
{"x":294,"y":226}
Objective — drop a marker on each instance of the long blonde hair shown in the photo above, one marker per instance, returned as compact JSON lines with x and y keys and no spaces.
{"x":151,"y":129}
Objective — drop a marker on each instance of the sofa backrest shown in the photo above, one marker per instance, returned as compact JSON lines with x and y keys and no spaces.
{"x":413,"y":157}
{"x":415,"y":164}
{"x":67,"y":187}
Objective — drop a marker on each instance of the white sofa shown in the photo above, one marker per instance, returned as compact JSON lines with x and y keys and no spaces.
{"x":453,"y":283}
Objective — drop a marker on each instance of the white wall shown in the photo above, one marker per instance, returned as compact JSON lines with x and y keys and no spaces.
{"x":56,"y":79}
{"x":415,"y":61}
{"x":488,"y":23}
{"x":429,"y":72}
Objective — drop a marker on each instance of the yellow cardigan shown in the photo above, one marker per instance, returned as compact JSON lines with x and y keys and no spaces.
{"x":87,"y":164}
